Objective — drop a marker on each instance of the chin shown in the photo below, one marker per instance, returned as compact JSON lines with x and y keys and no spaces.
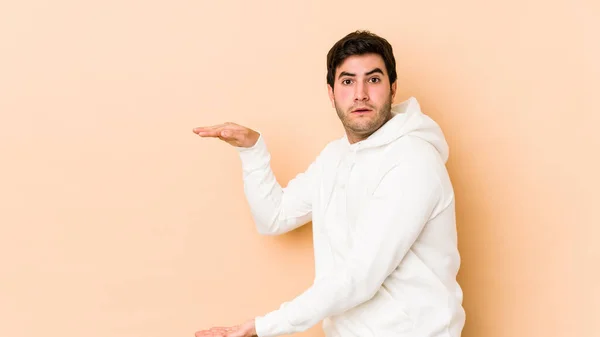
{"x":362,"y":128}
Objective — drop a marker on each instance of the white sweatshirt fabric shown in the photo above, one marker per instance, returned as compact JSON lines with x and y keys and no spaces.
{"x":384,"y":231}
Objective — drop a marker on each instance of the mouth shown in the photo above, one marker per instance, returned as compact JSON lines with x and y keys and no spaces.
{"x":361,"y":110}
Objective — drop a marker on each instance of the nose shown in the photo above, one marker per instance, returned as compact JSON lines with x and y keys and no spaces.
{"x":360,"y":92}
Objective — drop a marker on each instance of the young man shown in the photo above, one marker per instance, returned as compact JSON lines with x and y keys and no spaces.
{"x":382,"y":207}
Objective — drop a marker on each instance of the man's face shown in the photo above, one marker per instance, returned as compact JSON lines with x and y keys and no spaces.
{"x":362,"y":95}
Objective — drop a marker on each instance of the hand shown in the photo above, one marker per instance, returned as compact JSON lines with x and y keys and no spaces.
{"x":216,"y":332}
{"x":247,"y":329}
{"x":231,"y":133}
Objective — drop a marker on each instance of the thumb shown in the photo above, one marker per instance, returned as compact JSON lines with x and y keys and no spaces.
{"x":232,"y":137}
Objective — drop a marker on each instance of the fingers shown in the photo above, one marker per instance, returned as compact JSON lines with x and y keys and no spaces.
{"x":216,"y":127}
{"x":210,"y":127}
{"x":209,"y":133}
{"x":225,"y":134}
{"x":222,"y":130}
{"x":216,"y":332}
{"x":209,"y":130}
{"x":231,"y":133}
{"x":211,"y":333}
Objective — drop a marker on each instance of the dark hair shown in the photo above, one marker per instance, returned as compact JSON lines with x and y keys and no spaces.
{"x":360,"y":43}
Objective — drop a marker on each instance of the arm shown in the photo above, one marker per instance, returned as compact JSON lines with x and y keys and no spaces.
{"x":275,"y":210}
{"x":387,"y":227}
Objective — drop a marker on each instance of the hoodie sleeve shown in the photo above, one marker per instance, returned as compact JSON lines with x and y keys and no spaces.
{"x":387,"y":227}
{"x":275,"y":210}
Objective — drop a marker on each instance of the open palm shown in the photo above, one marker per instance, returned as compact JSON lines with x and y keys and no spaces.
{"x":247,"y":329}
{"x":234,"y":134}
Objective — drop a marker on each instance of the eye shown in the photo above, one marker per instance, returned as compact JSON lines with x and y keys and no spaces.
{"x":346,"y":82}
{"x":375,"y":80}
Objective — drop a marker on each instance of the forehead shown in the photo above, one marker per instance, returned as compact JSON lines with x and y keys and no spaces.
{"x":360,"y":64}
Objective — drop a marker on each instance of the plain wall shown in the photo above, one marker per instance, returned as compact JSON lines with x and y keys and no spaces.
{"x":116,"y":220}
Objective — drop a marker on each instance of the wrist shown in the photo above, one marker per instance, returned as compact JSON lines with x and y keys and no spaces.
{"x":252,"y":138}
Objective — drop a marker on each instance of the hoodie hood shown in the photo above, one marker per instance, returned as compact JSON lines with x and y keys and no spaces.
{"x":409,"y":120}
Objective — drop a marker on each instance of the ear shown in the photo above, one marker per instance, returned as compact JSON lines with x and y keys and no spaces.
{"x":331,"y":97}
{"x":394,"y":87}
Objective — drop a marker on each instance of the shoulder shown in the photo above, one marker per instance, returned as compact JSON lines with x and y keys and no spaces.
{"x":411,"y":151}
{"x":413,"y":161}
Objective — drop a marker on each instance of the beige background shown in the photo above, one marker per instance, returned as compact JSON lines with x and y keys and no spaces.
{"x":117,"y":221}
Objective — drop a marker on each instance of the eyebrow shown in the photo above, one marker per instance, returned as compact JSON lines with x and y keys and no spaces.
{"x":376,"y":70}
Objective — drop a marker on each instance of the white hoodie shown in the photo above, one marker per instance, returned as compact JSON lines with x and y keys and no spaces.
{"x":384,"y":232}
